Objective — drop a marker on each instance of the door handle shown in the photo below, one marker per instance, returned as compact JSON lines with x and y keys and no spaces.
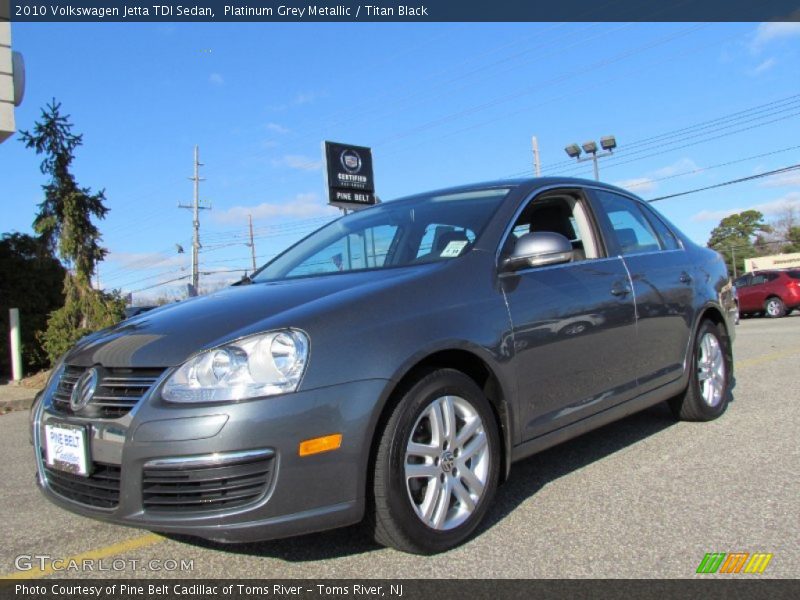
{"x":620,"y":290}
{"x":685,"y":277}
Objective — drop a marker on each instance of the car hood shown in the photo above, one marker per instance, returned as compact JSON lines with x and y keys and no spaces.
{"x":167,"y":336}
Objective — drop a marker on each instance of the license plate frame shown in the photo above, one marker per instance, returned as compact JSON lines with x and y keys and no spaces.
{"x":66,"y":447}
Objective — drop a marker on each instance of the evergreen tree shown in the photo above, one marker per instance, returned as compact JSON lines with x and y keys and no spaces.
{"x":734,"y":236}
{"x":64,"y":223}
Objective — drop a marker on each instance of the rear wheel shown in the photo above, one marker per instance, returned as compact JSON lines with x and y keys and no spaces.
{"x":774,"y":307}
{"x":437,"y":465}
{"x":708,"y":393}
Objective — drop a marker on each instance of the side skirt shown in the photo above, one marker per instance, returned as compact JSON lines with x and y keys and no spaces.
{"x":596,"y":420}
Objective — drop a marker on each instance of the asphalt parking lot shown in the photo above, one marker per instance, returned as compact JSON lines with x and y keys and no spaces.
{"x":645,"y":497}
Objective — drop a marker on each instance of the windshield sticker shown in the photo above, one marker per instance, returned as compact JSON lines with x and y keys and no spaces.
{"x":453,"y":249}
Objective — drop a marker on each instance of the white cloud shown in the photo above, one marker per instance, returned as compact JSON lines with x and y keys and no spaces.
{"x":144,"y":260}
{"x":684,"y":165}
{"x":782,"y":180}
{"x":305,"y":97}
{"x":301,"y":206}
{"x":216,"y":79}
{"x":649,"y":182}
{"x":297,"y":161}
{"x":277,"y":128}
{"x":769,"y":32}
{"x":773,"y":207}
{"x":762,"y":67}
{"x":638,"y":185}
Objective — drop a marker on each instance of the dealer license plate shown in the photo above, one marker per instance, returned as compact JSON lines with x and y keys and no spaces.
{"x":66,"y":448}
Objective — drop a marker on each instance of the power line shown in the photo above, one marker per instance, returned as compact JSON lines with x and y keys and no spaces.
{"x":704,"y":169}
{"x":659,"y":138}
{"x":731,"y":182}
{"x":617,"y":163}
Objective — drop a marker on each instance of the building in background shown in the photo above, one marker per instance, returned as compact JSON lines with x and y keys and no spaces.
{"x":775,"y":261}
{"x":12,"y":76}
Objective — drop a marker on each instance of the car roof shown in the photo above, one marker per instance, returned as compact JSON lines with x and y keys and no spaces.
{"x":522,"y":184}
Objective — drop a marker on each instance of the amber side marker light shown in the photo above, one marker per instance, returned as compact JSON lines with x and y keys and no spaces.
{"x":325,"y":443}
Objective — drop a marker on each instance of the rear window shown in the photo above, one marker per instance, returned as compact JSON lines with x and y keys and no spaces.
{"x":793,"y":274}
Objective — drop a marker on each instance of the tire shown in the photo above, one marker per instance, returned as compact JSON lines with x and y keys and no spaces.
{"x":706,"y":398}
{"x":409,"y":512}
{"x":774,"y":308}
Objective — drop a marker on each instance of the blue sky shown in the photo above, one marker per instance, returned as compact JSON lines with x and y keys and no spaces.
{"x":440,"y":104}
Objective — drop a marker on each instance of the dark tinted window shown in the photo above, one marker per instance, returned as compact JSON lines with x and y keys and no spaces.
{"x":793,"y":274}
{"x":758,"y":279}
{"x":741,"y":282}
{"x":634,"y":233}
{"x":771,"y":276}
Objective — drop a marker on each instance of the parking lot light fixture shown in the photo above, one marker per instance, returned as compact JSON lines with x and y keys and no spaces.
{"x":608,"y":143}
{"x":573,"y":150}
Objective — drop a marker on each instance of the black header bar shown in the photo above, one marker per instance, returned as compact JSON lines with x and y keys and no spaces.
{"x":407,"y":11}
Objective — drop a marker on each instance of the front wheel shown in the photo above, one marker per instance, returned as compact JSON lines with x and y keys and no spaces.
{"x":774,"y":307}
{"x":708,"y":393}
{"x":437,"y":465}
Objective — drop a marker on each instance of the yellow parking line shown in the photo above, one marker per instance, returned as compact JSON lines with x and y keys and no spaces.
{"x":126,"y":546}
{"x":751,"y":362}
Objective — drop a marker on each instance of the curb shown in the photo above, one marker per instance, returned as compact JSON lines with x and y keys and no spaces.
{"x":8,"y":406}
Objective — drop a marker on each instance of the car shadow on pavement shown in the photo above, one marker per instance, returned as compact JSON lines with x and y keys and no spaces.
{"x":526,"y":478}
{"x":530,"y":475}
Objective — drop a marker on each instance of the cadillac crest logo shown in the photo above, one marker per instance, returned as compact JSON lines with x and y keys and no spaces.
{"x":351,"y":161}
{"x":84,"y":389}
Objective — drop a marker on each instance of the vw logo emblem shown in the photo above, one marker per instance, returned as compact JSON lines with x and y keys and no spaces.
{"x":447,"y":461}
{"x":84,"y":389}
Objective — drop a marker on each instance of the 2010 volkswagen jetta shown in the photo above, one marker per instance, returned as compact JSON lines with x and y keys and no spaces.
{"x":390,"y":367}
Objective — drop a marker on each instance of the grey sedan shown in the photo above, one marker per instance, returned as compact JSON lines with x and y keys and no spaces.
{"x":390,"y":367}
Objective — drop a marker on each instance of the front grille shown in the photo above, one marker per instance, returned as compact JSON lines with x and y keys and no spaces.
{"x":118,"y":391}
{"x":205,"y":488}
{"x":100,"y":489}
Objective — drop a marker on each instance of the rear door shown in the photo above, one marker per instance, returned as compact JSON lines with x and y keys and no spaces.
{"x":663,"y":287}
{"x":756,"y":293}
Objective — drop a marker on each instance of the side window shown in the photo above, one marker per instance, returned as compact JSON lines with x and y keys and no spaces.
{"x":634,"y":233}
{"x":741,"y":282}
{"x":758,"y":279}
{"x":558,"y":212}
{"x":363,"y":250}
{"x":667,"y":238}
{"x":444,"y":240}
{"x":771,"y":276}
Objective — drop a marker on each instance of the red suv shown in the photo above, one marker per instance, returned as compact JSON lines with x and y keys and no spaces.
{"x":771,"y":293}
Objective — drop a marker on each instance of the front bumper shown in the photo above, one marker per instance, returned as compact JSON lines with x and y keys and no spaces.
{"x":298,"y":495}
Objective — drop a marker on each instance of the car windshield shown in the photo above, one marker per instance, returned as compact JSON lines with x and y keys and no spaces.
{"x":419,"y":230}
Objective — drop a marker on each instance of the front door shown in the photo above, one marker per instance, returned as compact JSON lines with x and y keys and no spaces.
{"x":573,"y":324}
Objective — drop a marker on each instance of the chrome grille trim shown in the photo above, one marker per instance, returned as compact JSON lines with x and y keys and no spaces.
{"x":118,"y":391}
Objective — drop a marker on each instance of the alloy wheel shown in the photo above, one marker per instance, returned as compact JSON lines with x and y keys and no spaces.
{"x":447,"y":463}
{"x":711,"y":370}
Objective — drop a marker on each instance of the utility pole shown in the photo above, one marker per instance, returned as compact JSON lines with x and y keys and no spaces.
{"x":537,"y":165}
{"x":733,"y":260}
{"x":252,"y":243}
{"x":196,"y":208}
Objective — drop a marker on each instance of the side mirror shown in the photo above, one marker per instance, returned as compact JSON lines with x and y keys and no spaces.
{"x":538,"y":249}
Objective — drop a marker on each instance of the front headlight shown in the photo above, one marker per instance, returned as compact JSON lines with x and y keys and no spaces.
{"x":259,"y":365}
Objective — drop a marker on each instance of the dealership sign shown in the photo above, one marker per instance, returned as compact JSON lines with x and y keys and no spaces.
{"x":351,"y":183}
